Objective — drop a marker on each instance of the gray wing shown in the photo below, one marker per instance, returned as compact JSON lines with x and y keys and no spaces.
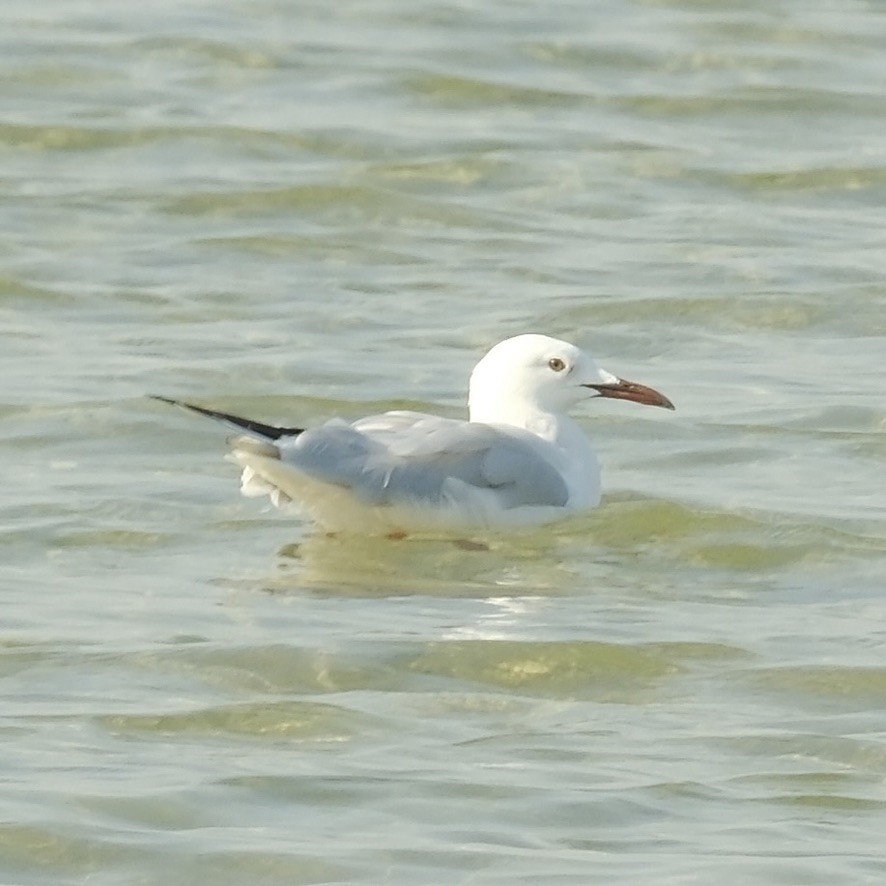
{"x":411,"y":457}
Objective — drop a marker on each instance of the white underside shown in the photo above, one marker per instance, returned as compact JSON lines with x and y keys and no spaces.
{"x":338,"y":509}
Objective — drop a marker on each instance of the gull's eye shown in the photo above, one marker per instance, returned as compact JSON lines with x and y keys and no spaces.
{"x":556,"y":364}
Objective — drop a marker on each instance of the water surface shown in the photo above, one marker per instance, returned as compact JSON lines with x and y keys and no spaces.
{"x":298,"y":210}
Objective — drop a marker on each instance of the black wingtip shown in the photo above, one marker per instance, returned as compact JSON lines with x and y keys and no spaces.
{"x":271,"y":432}
{"x":166,"y":400}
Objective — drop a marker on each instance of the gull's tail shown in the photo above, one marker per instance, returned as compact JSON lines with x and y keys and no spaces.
{"x":260,"y":460}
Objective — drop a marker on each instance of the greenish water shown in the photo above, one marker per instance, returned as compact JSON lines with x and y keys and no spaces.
{"x":304,"y":209}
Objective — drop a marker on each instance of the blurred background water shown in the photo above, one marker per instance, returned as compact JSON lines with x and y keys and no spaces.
{"x":301,"y":209}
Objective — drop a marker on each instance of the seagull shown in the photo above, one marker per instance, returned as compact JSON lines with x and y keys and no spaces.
{"x":519,"y":460}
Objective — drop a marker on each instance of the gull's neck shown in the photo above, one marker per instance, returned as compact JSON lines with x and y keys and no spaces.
{"x":570,"y":449}
{"x":520,"y":413}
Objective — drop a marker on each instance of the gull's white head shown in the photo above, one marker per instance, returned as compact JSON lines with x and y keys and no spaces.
{"x":531,"y":374}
